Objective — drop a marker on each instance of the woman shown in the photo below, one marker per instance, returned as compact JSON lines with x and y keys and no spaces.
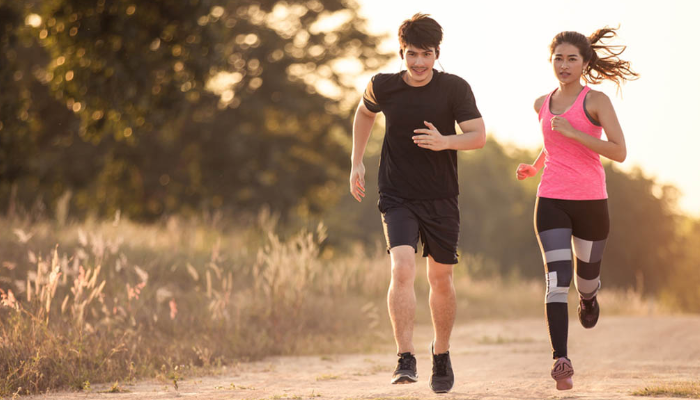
{"x":572,"y":197}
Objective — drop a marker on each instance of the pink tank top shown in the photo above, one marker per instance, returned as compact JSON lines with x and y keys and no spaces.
{"x":571,"y":170}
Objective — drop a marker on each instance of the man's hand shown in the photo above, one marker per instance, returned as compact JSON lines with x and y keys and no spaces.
{"x":431,"y":138}
{"x":357,"y":181}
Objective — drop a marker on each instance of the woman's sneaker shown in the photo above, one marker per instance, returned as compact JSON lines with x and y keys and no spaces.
{"x":588,"y":312}
{"x":405,"y":369}
{"x":562,"y":371}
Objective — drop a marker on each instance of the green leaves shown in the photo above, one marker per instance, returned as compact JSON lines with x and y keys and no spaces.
{"x":174,"y":106}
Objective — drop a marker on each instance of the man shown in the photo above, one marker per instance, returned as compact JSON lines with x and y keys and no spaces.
{"x":418,"y":185}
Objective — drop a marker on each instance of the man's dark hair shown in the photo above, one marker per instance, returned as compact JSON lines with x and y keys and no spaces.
{"x":420,"y":31}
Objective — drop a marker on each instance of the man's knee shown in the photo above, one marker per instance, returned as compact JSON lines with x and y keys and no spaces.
{"x":403,"y":265}
{"x":440,"y":277}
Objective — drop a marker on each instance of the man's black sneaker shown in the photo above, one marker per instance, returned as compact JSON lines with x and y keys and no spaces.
{"x":443,"y":377}
{"x":405,"y":370}
{"x":588,"y":312}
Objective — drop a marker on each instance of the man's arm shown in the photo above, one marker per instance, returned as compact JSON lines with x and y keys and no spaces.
{"x":473,"y":137}
{"x":361,"y":130}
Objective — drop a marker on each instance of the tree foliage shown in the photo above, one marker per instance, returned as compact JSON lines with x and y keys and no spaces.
{"x":177,"y":105}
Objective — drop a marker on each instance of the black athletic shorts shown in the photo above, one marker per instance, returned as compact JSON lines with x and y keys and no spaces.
{"x":436,"y":222}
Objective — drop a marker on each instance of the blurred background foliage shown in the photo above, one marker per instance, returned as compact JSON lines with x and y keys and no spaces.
{"x":223,"y":107}
{"x":173,"y":106}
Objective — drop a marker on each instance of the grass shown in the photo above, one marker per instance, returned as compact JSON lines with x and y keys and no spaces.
{"x":115,"y":301}
{"x":115,"y":388}
{"x":687,"y":390}
{"x":123,"y":301}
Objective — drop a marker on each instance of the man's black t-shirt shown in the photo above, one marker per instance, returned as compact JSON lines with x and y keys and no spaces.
{"x":406,"y":170}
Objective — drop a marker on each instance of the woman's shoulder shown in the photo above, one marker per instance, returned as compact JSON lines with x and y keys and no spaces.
{"x":539,"y":102}
{"x":596,"y":98}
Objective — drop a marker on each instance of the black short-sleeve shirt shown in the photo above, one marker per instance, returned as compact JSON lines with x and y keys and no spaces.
{"x":406,"y":170}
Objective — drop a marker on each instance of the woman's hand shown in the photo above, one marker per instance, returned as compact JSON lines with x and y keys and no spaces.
{"x":525,"y":171}
{"x":562,"y":125}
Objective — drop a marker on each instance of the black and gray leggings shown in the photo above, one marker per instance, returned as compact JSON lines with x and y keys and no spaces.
{"x":559,"y":225}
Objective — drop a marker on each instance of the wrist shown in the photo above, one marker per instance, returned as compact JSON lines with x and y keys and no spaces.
{"x":575,"y":134}
{"x":449,"y":142}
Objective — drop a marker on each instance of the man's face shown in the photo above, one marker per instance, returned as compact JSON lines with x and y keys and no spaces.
{"x":419,"y":64}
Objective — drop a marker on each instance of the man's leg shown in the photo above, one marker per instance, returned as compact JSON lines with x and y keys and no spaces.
{"x":401,"y":298}
{"x":401,"y":232}
{"x":443,"y":306}
{"x":443,"y":303}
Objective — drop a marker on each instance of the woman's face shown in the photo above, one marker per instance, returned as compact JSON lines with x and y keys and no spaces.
{"x":567,"y":63}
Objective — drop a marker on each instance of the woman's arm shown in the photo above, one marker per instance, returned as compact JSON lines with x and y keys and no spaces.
{"x":529,"y":170}
{"x":603,"y":111}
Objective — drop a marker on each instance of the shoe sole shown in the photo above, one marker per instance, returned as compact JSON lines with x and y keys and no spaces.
{"x":586,"y":324}
{"x":565,"y":384}
{"x":563,"y":377}
{"x":403,"y":380}
{"x":440,"y":391}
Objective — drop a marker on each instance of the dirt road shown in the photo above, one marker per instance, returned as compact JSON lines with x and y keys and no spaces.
{"x":492,"y":360}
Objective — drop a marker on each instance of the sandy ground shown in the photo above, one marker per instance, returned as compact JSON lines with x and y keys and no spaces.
{"x":492,"y":360}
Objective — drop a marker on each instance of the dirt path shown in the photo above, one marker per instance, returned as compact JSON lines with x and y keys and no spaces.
{"x":492,"y":360}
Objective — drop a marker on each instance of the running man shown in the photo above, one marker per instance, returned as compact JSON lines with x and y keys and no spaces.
{"x":418,"y":185}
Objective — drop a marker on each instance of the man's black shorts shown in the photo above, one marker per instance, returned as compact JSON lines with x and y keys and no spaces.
{"x":435,"y":221}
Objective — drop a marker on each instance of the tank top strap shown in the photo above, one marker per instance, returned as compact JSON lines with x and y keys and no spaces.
{"x":581,"y":97}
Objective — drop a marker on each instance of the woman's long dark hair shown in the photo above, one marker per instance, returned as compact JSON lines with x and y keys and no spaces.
{"x":603,"y":59}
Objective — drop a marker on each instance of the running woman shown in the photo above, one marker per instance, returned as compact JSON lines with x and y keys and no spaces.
{"x":571,"y":208}
{"x":418,"y":185}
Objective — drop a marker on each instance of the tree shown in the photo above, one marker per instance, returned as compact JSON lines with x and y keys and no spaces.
{"x":496,"y":211}
{"x":18,"y":133}
{"x":201,"y":103}
{"x":642,"y":245}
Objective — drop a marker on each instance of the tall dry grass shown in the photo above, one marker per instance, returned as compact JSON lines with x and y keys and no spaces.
{"x":103,"y":301}
{"x":115,"y":300}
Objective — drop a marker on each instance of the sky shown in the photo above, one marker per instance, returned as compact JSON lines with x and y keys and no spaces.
{"x":501,"y":48}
